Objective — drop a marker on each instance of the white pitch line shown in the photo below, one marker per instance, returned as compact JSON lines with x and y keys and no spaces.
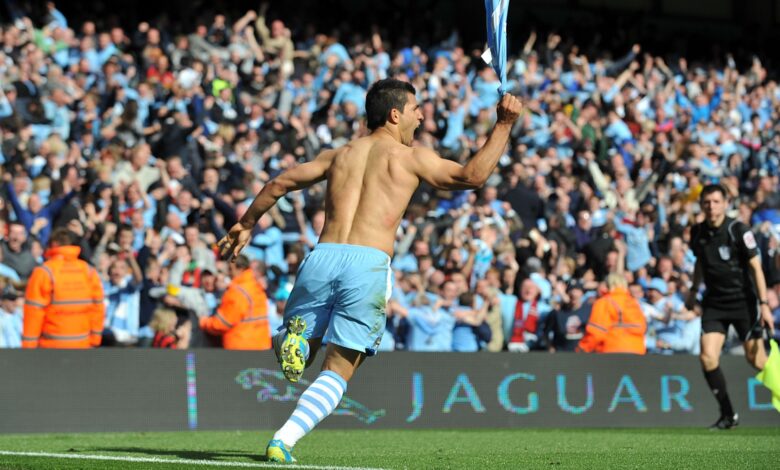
{"x":213,"y":463}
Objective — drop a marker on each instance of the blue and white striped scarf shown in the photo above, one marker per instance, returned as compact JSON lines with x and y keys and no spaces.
{"x":496,"y":11}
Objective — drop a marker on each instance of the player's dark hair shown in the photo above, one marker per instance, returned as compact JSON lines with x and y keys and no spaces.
{"x":713,"y":188}
{"x":384,"y":96}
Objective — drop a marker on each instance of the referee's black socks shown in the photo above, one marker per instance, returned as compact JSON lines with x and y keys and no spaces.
{"x":717,"y":382}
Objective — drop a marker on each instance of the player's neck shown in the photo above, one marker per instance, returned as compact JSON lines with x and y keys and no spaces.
{"x":385,"y":132}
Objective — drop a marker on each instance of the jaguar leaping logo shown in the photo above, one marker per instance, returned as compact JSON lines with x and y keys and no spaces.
{"x":274,"y":387}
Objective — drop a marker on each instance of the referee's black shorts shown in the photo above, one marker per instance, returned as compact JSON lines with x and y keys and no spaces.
{"x":745,"y":319}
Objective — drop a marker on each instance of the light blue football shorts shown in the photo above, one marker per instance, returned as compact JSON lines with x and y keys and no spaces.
{"x":341,"y":291}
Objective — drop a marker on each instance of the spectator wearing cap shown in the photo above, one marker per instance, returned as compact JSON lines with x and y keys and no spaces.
{"x":242,"y":317}
{"x":657,"y":313}
{"x":11,"y":321}
{"x":616,"y":324}
{"x":565,"y":326}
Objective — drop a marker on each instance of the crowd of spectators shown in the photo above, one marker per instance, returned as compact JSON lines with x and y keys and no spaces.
{"x":147,"y":146}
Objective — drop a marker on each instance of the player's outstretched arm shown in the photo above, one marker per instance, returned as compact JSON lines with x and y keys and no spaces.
{"x":302,"y":176}
{"x":446,"y":174}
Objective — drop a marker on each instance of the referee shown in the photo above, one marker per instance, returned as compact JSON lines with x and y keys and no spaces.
{"x":726,"y":257}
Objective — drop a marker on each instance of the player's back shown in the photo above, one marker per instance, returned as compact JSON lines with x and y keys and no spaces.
{"x":369,"y":188}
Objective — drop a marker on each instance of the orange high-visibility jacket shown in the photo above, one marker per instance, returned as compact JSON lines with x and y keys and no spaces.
{"x":616,"y":325}
{"x":242,"y":318}
{"x":63,"y":304}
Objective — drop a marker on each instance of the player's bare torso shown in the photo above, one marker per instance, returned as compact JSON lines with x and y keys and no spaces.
{"x":369,"y":187}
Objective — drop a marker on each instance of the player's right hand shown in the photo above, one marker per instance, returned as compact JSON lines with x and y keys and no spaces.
{"x":231,"y":244}
{"x":509,"y":109}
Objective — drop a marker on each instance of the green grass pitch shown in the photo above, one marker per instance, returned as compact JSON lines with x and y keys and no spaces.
{"x":748,"y":448}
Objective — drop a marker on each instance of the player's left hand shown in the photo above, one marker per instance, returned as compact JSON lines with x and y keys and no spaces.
{"x":767,"y":320}
{"x":231,"y":244}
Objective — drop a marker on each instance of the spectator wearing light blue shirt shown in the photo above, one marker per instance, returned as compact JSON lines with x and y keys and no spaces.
{"x":678,"y":330}
{"x":56,"y":18}
{"x":268,"y":245}
{"x":617,"y":130}
{"x":123,"y":302}
{"x":6,"y":107}
{"x":468,"y":316}
{"x":11,"y":319}
{"x":430,"y":328}
{"x":637,"y":242}
{"x":55,"y":109}
{"x":349,"y":91}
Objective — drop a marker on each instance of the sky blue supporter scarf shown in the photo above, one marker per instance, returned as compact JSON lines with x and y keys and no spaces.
{"x":496,"y":11}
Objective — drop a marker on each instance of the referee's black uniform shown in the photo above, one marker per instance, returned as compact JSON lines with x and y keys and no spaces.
{"x":723,"y":256}
{"x":730,"y":298}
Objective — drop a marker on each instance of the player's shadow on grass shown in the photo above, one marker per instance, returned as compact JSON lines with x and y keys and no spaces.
{"x":186,"y":454}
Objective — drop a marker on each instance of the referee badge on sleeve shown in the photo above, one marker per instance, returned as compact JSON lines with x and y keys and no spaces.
{"x":749,"y":239}
{"x":725,"y":253}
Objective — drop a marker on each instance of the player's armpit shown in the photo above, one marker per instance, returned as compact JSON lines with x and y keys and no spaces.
{"x":439,"y":172}
{"x":306,"y":174}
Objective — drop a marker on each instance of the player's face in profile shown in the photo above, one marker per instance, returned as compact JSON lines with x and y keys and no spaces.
{"x":714,"y":206}
{"x":411,"y":119}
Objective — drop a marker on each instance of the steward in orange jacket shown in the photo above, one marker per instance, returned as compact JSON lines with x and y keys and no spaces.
{"x":242,"y":318}
{"x":616,"y":324}
{"x":63,"y":304}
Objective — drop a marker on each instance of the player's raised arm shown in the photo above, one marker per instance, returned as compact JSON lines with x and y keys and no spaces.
{"x":302,"y":176}
{"x":446,"y":174}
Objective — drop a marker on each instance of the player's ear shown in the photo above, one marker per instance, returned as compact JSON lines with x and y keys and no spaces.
{"x":394,"y":117}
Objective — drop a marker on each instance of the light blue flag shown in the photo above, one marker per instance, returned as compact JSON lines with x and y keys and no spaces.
{"x":496,"y":37}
